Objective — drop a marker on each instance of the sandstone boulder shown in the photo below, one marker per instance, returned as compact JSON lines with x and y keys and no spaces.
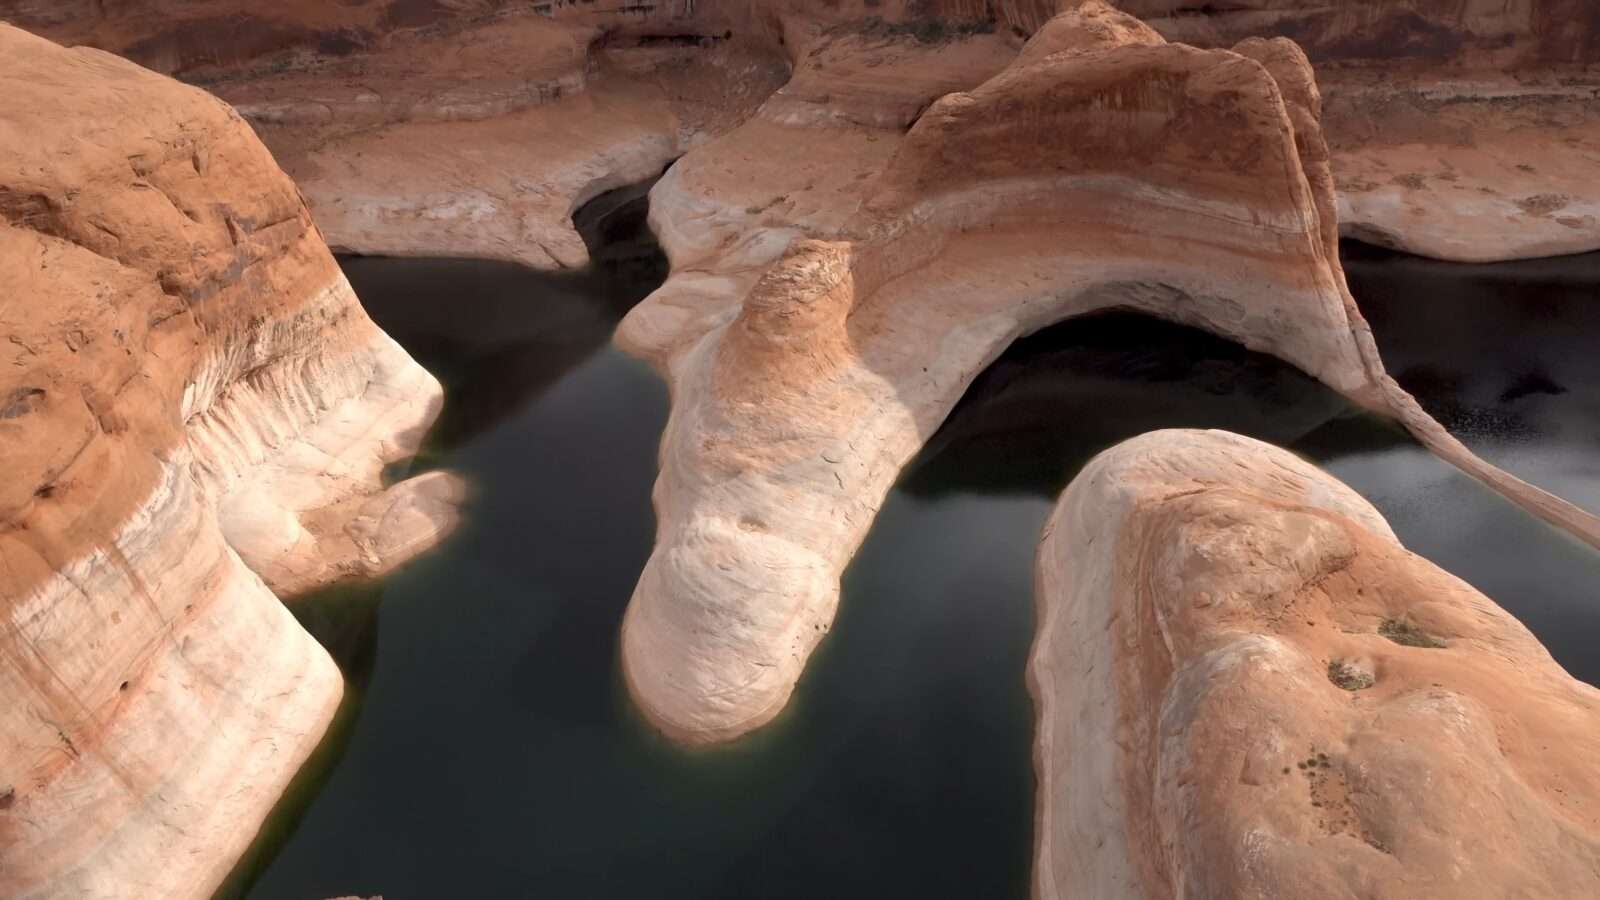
{"x":1246,"y":687}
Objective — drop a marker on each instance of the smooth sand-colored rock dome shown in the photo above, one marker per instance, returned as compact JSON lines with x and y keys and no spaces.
{"x":1246,"y":687}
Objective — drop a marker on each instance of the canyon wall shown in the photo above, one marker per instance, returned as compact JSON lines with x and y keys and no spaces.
{"x":1245,"y":687}
{"x":1458,"y":129}
{"x":839,"y":279}
{"x":181,"y":35}
{"x":483,"y":140}
{"x":1519,"y":33}
{"x":195,"y":36}
{"x":195,"y":412}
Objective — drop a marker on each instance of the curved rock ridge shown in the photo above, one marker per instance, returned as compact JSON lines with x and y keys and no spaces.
{"x":1246,"y":687}
{"x":194,"y":412}
{"x":816,"y":339}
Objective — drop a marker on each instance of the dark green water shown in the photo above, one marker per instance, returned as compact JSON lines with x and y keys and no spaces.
{"x":494,"y":753}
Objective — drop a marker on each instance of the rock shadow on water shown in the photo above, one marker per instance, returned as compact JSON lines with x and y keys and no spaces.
{"x":1502,"y":354}
{"x":498,"y":334}
{"x":1055,"y":399}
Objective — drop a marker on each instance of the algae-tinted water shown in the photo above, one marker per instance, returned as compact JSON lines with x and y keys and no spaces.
{"x":496,"y":754}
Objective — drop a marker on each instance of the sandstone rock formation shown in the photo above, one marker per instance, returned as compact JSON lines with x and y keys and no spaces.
{"x":1195,"y":187}
{"x":1468,"y":168}
{"x":194,"y":412}
{"x":429,"y":146}
{"x":954,"y":186}
{"x":1464,"y":131}
{"x":1435,"y":149}
{"x":1246,"y":687}
{"x":185,"y":37}
{"x":1458,"y":130}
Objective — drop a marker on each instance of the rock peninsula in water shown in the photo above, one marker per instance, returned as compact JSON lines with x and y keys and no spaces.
{"x":837,"y":283}
{"x":1245,"y":686}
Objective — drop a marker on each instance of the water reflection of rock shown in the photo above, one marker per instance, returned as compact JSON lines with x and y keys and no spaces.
{"x":1056,"y":398}
{"x":1501,"y":354}
{"x":497,"y":334}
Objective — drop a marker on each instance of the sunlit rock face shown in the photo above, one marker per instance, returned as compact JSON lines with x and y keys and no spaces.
{"x":838,"y":282}
{"x":194,"y":412}
{"x":1246,"y":687}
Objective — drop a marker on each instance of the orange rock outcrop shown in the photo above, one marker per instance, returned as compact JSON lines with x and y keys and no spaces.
{"x":194,"y":413}
{"x":1246,"y":687}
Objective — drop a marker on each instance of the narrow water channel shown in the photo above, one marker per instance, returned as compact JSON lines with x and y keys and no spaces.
{"x":491,"y":750}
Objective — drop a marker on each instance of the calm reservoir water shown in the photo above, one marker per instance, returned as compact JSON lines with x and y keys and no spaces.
{"x":489,"y":750}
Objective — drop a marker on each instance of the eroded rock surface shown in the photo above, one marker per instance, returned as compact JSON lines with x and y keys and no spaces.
{"x":838,"y":283}
{"x":435,"y":145}
{"x":1246,"y":687}
{"x":194,"y":412}
{"x":1463,"y":131}
{"x":1470,"y":167}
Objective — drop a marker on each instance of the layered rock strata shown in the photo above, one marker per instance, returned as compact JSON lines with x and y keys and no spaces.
{"x":202,"y":37}
{"x":194,"y":413}
{"x":1463,"y":131}
{"x":1468,"y":167}
{"x":837,"y":285}
{"x":1246,"y":687}
{"x":484,"y":141}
